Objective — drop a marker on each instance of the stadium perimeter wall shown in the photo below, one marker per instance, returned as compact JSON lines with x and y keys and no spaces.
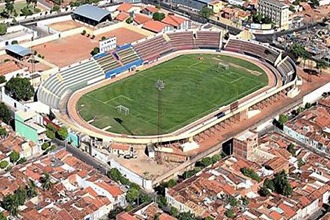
{"x":316,"y":94}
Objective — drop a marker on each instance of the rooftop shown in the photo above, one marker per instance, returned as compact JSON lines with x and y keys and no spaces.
{"x":19,"y":50}
{"x":91,"y":12}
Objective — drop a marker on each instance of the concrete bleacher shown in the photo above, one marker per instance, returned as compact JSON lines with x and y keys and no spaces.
{"x":207,"y":39}
{"x":285,"y":66}
{"x":153,"y":48}
{"x":108,"y":62}
{"x":128,"y":55}
{"x":252,"y":48}
{"x":181,"y":40}
{"x":72,"y":79}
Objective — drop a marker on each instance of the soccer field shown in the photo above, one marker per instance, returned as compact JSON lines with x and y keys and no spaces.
{"x":195,"y":85}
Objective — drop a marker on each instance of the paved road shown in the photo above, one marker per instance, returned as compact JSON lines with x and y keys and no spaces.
{"x":83,"y":156}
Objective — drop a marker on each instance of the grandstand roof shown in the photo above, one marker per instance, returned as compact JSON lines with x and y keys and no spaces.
{"x":19,"y":50}
{"x":91,"y":12}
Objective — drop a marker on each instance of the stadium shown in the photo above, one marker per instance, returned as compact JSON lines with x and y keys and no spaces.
{"x":172,"y":86}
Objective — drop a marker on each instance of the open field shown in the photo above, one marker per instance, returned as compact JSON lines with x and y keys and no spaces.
{"x":65,"y":51}
{"x":194,"y":88}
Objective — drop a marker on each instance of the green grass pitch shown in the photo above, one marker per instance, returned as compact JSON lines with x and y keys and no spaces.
{"x":194,"y":87}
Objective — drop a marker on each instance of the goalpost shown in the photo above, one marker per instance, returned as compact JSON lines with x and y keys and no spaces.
{"x":122,"y":109}
{"x":223,"y":65}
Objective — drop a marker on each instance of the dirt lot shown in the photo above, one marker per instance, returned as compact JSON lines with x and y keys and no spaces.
{"x":123,"y":35}
{"x":67,"y":25}
{"x":65,"y":51}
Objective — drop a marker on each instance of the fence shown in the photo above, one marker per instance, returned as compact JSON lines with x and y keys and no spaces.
{"x":316,"y":94}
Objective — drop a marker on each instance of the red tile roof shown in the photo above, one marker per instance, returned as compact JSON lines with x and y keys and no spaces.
{"x":154,"y":26}
{"x":141,"y":19}
{"x":112,"y":189}
{"x":124,"y":7}
{"x":125,"y":216}
{"x":173,"y":20}
{"x":151,"y":9}
{"x":122,"y":16}
{"x":288,"y":211}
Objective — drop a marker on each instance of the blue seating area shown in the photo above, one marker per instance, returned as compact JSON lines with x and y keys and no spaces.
{"x":124,"y":68}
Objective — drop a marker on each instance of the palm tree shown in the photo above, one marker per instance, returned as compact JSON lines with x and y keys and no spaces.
{"x":45,"y":181}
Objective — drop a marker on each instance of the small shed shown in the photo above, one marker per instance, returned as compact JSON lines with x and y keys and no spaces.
{"x":18,"y":51}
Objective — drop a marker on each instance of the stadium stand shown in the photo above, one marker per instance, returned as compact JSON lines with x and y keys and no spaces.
{"x":207,"y":39}
{"x":68,"y":80}
{"x":253,"y":49}
{"x":128,"y":55}
{"x":153,"y":48}
{"x":108,"y":62}
{"x":181,"y":40}
{"x":285,"y":67}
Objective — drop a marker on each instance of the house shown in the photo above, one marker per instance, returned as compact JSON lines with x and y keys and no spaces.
{"x":140,"y":19}
{"x":29,"y":125}
{"x":120,"y":149}
{"x":177,"y":22}
{"x":149,"y":10}
{"x":122,"y":16}
{"x":156,"y":26}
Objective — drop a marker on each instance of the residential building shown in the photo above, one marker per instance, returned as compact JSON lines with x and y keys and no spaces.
{"x":245,"y":143}
{"x":276,"y":10}
{"x":157,"y":26}
{"x":29,"y":125}
{"x":78,"y":191}
{"x":177,"y":22}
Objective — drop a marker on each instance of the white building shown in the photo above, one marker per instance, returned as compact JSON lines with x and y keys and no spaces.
{"x":276,"y":10}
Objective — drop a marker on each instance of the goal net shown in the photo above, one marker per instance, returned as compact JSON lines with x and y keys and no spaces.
{"x":223,"y":65}
{"x":122,"y":109}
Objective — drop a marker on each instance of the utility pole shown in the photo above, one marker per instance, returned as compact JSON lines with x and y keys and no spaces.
{"x":160,"y":86}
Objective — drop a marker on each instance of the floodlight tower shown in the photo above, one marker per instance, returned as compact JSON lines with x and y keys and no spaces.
{"x":160,"y":86}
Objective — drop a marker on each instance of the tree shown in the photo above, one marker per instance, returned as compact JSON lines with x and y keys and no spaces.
{"x":62,"y":133}
{"x":46,"y":181}
{"x":186,"y":216}
{"x":114,"y":174}
{"x":50,"y":134}
{"x":314,"y":3}
{"x":308,"y":105}
{"x":263,"y":191}
{"x":56,"y":8}
{"x":10,"y":204}
{"x":250,"y":173}
{"x":95,"y":51}
{"x":283,"y":119}
{"x":21,"y":160}
{"x":208,"y":218}
{"x":299,"y":51}
{"x":269,"y":184}
{"x":2,"y":79}
{"x":205,"y":162}
{"x":3,"y":28}
{"x":19,"y":88}
{"x":230,"y":213}
{"x":83,"y":32}
{"x":245,"y":201}
{"x":2,"y":217}
{"x":174,"y":211}
{"x":161,"y":201}
{"x":9,"y":6}
{"x":321,"y":65}
{"x":3,"y":164}
{"x":3,"y":132}
{"x":20,"y":195}
{"x":216,"y":158}
{"x":158,"y":16}
{"x":171,"y":183}
{"x":281,"y":183}
{"x":206,"y":12}
{"x":301,"y":162}
{"x":129,"y":20}
{"x":144,"y":198}
{"x":291,"y":149}
{"x":26,"y":11}
{"x":4,"y":113}
{"x":13,"y":156}
{"x":232,"y":201}
{"x":132,"y":195}
{"x":44,"y":146}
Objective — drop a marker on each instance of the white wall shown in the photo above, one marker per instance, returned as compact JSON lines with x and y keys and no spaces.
{"x":316,"y":94}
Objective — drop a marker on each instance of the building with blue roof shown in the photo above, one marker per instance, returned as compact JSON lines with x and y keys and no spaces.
{"x":91,"y":14}
{"x":18,"y":51}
